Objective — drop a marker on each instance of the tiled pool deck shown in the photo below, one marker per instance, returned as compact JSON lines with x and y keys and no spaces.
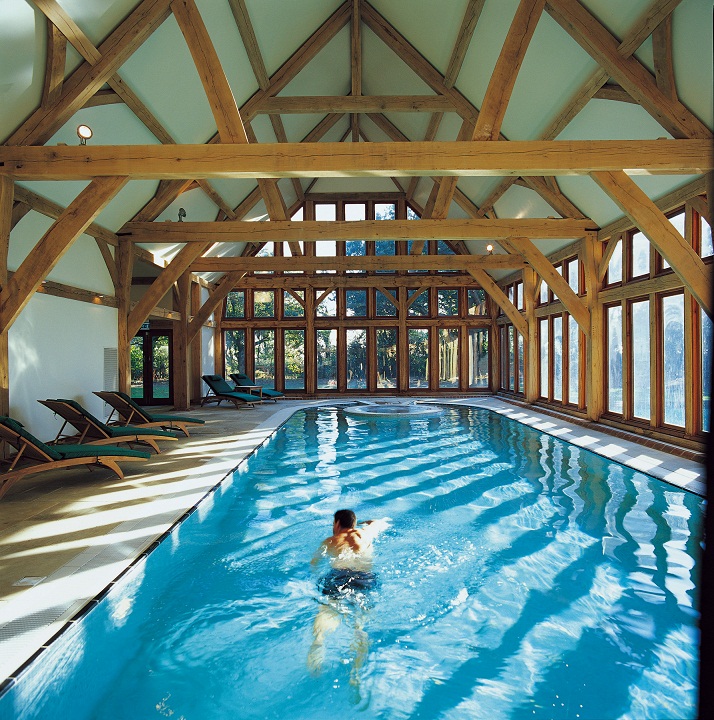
{"x":66,"y":536}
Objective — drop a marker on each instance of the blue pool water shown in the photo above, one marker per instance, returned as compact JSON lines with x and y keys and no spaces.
{"x":522,"y":577}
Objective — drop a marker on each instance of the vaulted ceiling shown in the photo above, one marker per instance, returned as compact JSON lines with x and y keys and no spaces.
{"x":355,"y":71}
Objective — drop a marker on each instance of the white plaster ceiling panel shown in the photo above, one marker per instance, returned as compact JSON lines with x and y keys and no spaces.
{"x":328,"y":73}
{"x":430,"y":26}
{"x":61,"y":192}
{"x":224,"y":33}
{"x":162,"y":73}
{"x":24,"y":236}
{"x":618,"y":17}
{"x":356,"y":184}
{"x":126,"y":203}
{"x":592,"y":201}
{"x":233,"y":191}
{"x":98,"y":18}
{"x":257,"y":214}
{"x":613,"y":120}
{"x":449,"y":127}
{"x":546,"y":81}
{"x":297,"y":125}
{"x":693,"y":58}
{"x":478,"y":188}
{"x":521,"y":202}
{"x":22,"y":63}
{"x":374,"y":132}
{"x":413,"y":125}
{"x":263,"y":129}
{"x":198,"y":207}
{"x":281,"y":27}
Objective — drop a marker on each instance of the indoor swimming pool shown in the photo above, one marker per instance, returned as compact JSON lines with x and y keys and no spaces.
{"x":520,"y":577}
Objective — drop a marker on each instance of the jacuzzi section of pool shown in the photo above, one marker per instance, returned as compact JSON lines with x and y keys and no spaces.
{"x":522,"y":577}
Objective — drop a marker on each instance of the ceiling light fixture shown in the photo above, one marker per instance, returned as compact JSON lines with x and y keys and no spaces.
{"x":182,"y":214}
{"x":84,"y":133}
{"x":490,"y":249}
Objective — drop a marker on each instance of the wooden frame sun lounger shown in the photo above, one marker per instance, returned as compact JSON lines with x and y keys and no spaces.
{"x":219,"y":390}
{"x":131,"y":413}
{"x":241,"y":379}
{"x":94,"y":432}
{"x":33,"y":456}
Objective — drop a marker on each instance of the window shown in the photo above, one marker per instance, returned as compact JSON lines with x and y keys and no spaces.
{"x":294,"y":362}
{"x":573,"y":362}
{"x":614,"y":267}
{"x":640,"y":318}
{"x":385,"y":211}
{"x":447,"y":302}
{"x":264,"y":356}
{"x":614,"y":358}
{"x":418,"y":301}
{"x":476,"y":299}
{"x":327,"y":306}
{"x":355,"y":211}
{"x":543,"y":297}
{"x":706,"y":362}
{"x":356,"y":359}
{"x":234,"y":351}
{"x":557,"y":357}
{"x":355,"y":248}
{"x":235,"y":304}
{"x":384,"y":306}
{"x":640,"y":248}
{"x":521,"y":375}
{"x":293,"y":303}
{"x":418,"y":358}
{"x":706,"y":249}
{"x":384,"y":248}
{"x":268,"y":250}
{"x":544,"y":352}
{"x":673,"y":358}
{"x":478,"y":358}
{"x":264,"y":304}
{"x":573,"y":269}
{"x":326,"y":359}
{"x":356,"y":302}
{"x":519,"y":295}
{"x":448,"y":358}
{"x":386,"y":358}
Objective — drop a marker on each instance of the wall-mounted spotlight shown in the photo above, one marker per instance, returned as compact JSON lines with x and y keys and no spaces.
{"x":182,"y":214}
{"x":489,"y":248}
{"x":84,"y":133}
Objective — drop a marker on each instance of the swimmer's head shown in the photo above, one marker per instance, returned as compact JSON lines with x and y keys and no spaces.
{"x":345,"y":519}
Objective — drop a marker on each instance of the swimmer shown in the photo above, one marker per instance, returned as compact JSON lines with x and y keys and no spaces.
{"x":349,"y":551}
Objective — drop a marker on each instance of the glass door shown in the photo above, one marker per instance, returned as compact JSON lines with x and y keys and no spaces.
{"x":151,"y":368}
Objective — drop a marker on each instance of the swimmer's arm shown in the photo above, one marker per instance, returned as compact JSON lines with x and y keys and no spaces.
{"x":369,"y":529}
{"x":319,"y":554}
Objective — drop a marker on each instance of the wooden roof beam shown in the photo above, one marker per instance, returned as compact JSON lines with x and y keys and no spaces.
{"x":310,"y":104}
{"x":54,"y":65}
{"x":219,"y":294}
{"x":501,"y":299}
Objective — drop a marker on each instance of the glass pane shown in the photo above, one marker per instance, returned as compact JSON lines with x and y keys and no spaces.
{"x":447,"y":302}
{"x":448,"y":358}
{"x":574,"y":362}
{"x":424,"y":251}
{"x":706,"y":371}
{"x":478,"y":358}
{"x":521,"y":377}
{"x":386,"y":357}
{"x":511,"y":294}
{"x":614,"y":268}
{"x":558,"y":358}
{"x":543,"y":292}
{"x":504,"y":358}
{"x":326,"y":248}
{"x":355,"y":248}
{"x":614,"y":359}
{"x":160,"y":366}
{"x":294,"y":341}
{"x":137,"y":367}
{"x":673,"y":351}
{"x":706,"y":238}
{"x":678,"y":222}
{"x":356,"y":303}
{"x":640,"y":255}
{"x":325,"y":211}
{"x":544,"y":367}
{"x":519,"y":295}
{"x":291,"y":306}
{"x":411,"y":215}
{"x":384,"y":306}
{"x":511,"y":359}
{"x":264,"y":357}
{"x":418,"y":358}
{"x":287,"y":252}
{"x":327,"y":359}
{"x":641,"y":359}
{"x":299,"y":214}
{"x":235,"y":304}
{"x":574,"y":275}
{"x":355,"y":211}
{"x":356,"y":359}
{"x":235,"y":351}
{"x":476,"y":301}
{"x":385,"y":211}
{"x":420,"y":306}
{"x":385,"y":248}
{"x":267,"y":250}
{"x":263,"y":303}
{"x":328,"y":305}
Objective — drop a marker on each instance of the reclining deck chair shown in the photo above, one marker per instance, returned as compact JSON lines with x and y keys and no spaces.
{"x":94,"y":432}
{"x":265,"y":393}
{"x":33,"y":456}
{"x":132,"y":413}
{"x":219,"y":390}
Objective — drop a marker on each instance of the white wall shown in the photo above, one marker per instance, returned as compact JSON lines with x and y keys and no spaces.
{"x":57,"y":351}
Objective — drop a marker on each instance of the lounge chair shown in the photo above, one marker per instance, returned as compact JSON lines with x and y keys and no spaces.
{"x":130,"y":413}
{"x":219,"y":390}
{"x":264,"y":392}
{"x":94,"y":432}
{"x":33,"y":456}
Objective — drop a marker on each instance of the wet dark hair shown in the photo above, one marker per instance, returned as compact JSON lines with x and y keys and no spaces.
{"x":346,"y":518}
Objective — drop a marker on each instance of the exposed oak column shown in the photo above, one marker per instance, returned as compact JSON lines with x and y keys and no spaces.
{"x":122,"y":290}
{"x":180,"y":345}
{"x":594,"y":343}
{"x":310,"y":342}
{"x":195,"y":348}
{"x":7,"y":189}
{"x":531,"y":342}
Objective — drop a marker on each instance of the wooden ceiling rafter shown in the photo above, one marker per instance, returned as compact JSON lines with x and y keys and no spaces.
{"x":215,"y":298}
{"x":54,"y":65}
{"x":501,"y":299}
{"x":355,"y":63}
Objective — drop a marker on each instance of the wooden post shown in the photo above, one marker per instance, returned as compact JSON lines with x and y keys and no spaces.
{"x":122,"y":290}
{"x":402,"y":342}
{"x":195,"y":348}
{"x":594,"y":343}
{"x":180,"y":345}
{"x":310,"y":342}
{"x":7,"y":191}
{"x":530,"y":362}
